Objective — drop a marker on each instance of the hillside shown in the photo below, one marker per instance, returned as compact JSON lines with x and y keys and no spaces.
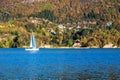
{"x":70,"y":10}
{"x":60,"y":22}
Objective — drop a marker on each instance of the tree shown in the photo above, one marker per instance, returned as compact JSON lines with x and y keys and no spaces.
{"x":5,"y":16}
{"x":30,"y":26}
{"x":70,"y":42}
{"x":47,"y":14}
{"x":118,"y":42}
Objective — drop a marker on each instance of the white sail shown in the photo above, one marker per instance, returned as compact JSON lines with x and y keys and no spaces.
{"x":31,"y":42}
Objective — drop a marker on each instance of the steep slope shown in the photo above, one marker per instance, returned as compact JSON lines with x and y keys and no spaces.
{"x":66,"y":10}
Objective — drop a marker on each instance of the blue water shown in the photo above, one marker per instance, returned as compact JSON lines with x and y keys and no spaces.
{"x":60,"y":64}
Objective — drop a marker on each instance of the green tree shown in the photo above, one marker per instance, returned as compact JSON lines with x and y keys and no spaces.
{"x":118,"y":42}
{"x":47,"y":14}
{"x":70,"y":42}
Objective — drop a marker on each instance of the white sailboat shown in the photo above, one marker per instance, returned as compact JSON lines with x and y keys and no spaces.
{"x":33,"y":46}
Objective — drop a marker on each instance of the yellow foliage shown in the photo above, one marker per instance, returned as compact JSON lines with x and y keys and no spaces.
{"x":1,"y":26}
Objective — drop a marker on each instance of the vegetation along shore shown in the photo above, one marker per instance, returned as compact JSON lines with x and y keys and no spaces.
{"x":58,"y":23}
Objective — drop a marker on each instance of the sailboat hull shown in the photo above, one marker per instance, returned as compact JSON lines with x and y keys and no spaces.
{"x":32,"y":49}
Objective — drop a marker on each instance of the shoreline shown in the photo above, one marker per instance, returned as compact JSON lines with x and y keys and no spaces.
{"x":79,"y":47}
{"x":74,"y":47}
{"x":67,"y":47}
